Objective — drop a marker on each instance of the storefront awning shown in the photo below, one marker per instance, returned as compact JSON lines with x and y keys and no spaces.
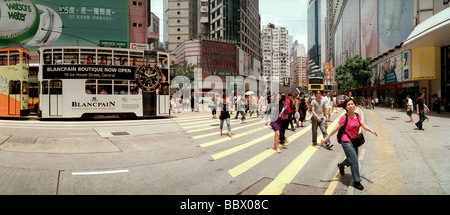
{"x":432,"y":32}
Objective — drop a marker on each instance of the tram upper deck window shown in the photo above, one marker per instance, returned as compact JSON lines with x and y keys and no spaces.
{"x":105,"y":57}
{"x":25,"y":57}
{"x":121,"y":58}
{"x":71,"y":56}
{"x":14,"y":57}
{"x":88,"y":56}
{"x":48,"y":58}
{"x":3,"y":58}
{"x":137,"y":59}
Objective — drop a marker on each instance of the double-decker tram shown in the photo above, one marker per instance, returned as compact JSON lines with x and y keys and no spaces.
{"x":14,"y":82}
{"x":84,"y":82}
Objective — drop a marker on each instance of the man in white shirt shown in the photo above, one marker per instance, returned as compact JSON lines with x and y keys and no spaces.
{"x":327,"y":100}
{"x":409,"y":108}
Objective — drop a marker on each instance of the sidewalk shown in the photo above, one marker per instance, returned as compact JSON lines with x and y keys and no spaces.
{"x":402,"y":160}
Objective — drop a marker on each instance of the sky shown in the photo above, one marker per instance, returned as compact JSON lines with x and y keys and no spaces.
{"x":291,"y":14}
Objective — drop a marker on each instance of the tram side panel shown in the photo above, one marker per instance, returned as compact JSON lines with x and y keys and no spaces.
{"x":74,"y":102}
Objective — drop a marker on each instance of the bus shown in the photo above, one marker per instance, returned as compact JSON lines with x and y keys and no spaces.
{"x":14,"y":82}
{"x":85,"y":82}
{"x":315,"y":83}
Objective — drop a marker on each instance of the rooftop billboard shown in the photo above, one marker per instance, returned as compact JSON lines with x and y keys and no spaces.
{"x":62,"y":22}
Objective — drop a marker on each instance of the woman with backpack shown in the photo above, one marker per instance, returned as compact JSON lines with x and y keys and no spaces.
{"x":352,"y":122}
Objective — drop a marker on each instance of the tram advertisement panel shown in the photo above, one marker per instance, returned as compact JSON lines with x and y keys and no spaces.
{"x":88,"y":72}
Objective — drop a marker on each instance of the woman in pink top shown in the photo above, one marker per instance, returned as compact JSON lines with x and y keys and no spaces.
{"x":352,"y":129}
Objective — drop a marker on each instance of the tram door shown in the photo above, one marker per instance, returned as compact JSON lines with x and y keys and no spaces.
{"x":55,"y":98}
{"x":14,"y":99}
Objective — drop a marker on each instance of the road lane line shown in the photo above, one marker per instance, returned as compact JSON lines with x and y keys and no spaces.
{"x":100,"y":172}
{"x":243,"y":167}
{"x":216,"y":133}
{"x":333,"y":184}
{"x":287,"y":175}
{"x":211,"y":126}
{"x":241,"y":147}
{"x":214,"y":142}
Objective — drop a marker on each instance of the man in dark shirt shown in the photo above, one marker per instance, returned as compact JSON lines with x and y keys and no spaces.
{"x":420,"y":107}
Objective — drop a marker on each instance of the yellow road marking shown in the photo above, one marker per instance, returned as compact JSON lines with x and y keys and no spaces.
{"x":287,"y":175}
{"x":241,"y":147}
{"x":210,"y":124}
{"x":215,"y":133}
{"x":214,"y":142}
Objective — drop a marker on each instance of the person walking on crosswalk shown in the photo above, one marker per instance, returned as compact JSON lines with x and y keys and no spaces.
{"x":273,"y":116}
{"x":318,"y":108}
{"x":224,"y":115}
{"x":352,"y":123}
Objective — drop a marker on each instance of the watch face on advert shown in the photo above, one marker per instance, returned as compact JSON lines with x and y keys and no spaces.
{"x":148,"y":78}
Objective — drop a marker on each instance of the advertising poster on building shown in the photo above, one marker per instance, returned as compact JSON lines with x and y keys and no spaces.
{"x":369,"y":34}
{"x":63,"y":22}
{"x":395,"y":22}
{"x":394,"y":70}
{"x":351,"y":39}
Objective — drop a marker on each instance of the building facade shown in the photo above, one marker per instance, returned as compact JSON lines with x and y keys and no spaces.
{"x":405,"y":41}
{"x":275,"y":44}
{"x":239,"y":21}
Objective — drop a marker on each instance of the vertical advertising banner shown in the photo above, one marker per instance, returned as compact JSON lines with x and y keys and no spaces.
{"x":395,"y":22}
{"x":63,"y":22}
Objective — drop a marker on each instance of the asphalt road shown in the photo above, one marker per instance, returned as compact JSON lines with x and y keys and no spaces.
{"x":185,"y":154}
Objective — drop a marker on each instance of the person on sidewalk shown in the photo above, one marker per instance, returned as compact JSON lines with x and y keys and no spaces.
{"x":224,"y":115}
{"x":354,"y":122}
{"x":409,"y":108}
{"x":420,"y":106}
{"x":317,"y":120}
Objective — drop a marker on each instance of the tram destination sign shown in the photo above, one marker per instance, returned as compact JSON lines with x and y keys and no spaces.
{"x":88,"y":72}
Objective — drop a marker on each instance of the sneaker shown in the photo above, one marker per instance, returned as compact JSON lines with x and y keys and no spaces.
{"x":329,"y":146}
{"x":341,"y":169}
{"x":358,"y":185}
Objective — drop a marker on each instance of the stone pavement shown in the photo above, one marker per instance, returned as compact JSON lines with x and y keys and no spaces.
{"x":403,"y":160}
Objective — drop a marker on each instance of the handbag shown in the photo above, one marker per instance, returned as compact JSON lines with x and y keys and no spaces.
{"x":358,"y":140}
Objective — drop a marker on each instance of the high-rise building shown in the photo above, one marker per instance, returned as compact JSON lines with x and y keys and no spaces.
{"x":237,"y":20}
{"x":275,"y":44}
{"x":299,"y":66}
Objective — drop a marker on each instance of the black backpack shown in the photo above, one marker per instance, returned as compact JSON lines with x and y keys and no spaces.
{"x":342,"y":129}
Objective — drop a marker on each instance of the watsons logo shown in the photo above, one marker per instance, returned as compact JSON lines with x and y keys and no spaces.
{"x":18,"y":11}
{"x":93,"y":104}
{"x":19,"y":21}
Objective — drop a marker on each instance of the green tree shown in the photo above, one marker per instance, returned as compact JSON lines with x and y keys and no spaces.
{"x":355,"y":73}
{"x":184,"y":69}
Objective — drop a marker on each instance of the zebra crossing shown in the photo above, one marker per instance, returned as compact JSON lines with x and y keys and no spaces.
{"x":251,"y":147}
